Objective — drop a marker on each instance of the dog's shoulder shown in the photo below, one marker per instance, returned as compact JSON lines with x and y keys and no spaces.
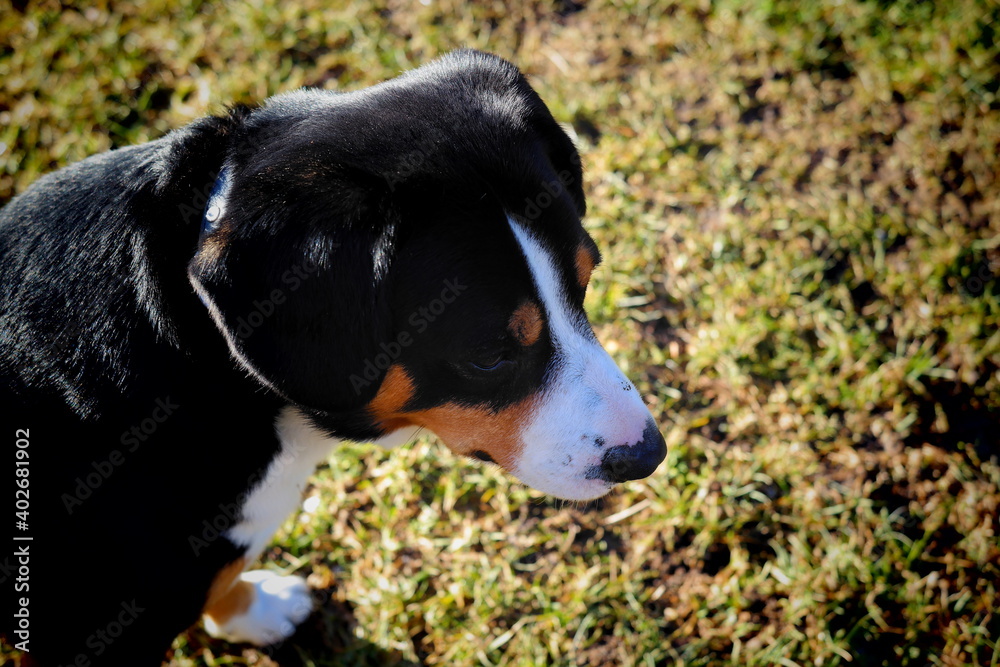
{"x":88,"y":258}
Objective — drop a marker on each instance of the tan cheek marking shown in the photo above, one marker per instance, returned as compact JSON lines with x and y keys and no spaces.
{"x":584,"y":265}
{"x":229,"y":597}
{"x":396,"y":390}
{"x":468,"y":429}
{"x":464,"y":429}
{"x":526,"y":323}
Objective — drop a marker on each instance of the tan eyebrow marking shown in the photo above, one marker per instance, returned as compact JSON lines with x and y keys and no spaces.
{"x":526,"y":323}
{"x":585,"y":264}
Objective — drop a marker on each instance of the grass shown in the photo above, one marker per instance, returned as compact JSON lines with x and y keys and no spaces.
{"x":798,"y":206}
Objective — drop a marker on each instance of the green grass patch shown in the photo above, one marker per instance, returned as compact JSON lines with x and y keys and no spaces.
{"x":798,"y":206}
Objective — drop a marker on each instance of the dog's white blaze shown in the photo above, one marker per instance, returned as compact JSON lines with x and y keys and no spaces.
{"x":588,"y":398}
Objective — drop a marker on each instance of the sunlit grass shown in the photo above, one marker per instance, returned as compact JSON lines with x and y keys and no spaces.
{"x":797,"y":205}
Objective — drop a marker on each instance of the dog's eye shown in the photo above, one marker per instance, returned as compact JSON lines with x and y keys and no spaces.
{"x":490,"y":362}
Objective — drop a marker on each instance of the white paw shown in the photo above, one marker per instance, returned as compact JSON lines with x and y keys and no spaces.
{"x":280,"y":603}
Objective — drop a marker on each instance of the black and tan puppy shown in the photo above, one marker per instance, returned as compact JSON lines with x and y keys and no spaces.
{"x":189,"y":326}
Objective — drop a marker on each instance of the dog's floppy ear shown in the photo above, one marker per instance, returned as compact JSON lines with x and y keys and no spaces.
{"x":565,"y":160}
{"x":294,"y":276}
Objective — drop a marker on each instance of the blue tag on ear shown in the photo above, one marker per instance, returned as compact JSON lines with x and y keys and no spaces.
{"x":215,"y":208}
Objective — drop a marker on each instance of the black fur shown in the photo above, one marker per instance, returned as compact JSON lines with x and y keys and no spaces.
{"x":375,"y":201}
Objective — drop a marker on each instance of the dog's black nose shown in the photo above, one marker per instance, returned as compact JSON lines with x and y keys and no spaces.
{"x":626,"y":462}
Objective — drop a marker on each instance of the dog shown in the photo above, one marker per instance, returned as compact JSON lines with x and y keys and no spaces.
{"x":189,"y":326}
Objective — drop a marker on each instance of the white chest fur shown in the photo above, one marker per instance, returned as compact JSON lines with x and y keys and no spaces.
{"x":279,"y":492}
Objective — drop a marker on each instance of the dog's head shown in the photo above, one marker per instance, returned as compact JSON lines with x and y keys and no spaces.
{"x":411,"y":255}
